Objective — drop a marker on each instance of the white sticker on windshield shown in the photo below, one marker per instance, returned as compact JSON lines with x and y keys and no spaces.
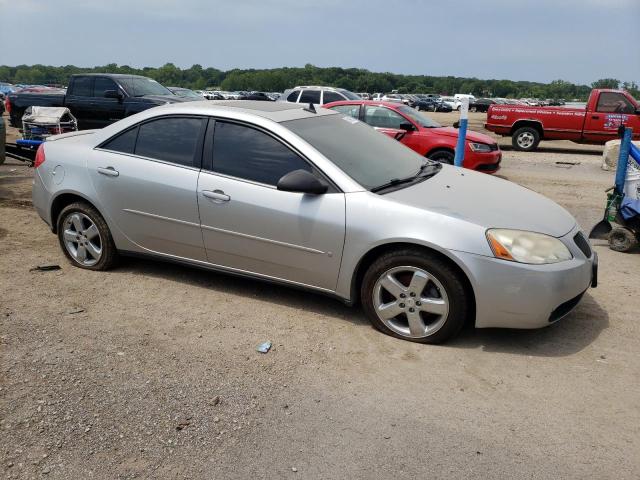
{"x":350,"y":119}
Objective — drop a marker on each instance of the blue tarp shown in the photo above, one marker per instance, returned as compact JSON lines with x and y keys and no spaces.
{"x":629,"y":208}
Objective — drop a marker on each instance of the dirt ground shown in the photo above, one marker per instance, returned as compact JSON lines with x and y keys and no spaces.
{"x":151,"y":371}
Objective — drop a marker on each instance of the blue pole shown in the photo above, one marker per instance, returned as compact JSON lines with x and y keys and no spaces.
{"x":623,"y":158}
{"x":462,"y":132}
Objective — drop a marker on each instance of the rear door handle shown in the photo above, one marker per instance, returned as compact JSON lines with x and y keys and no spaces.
{"x":108,"y":171}
{"x":216,"y":195}
{"x":595,"y":117}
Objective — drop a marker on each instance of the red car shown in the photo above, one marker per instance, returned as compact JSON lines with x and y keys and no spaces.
{"x":422,"y":134}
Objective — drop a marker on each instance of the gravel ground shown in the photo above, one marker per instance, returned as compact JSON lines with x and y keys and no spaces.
{"x":151,"y":370}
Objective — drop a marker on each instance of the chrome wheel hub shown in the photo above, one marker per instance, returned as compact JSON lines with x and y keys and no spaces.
{"x":82,"y":239}
{"x":525,"y":140}
{"x":411,"y":302}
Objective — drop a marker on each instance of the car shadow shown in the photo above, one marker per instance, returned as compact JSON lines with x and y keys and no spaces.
{"x":570,"y":335}
{"x":573,"y":333}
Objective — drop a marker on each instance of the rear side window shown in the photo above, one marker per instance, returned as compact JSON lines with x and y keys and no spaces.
{"x":351,"y":110}
{"x":173,"y":140}
{"x":82,"y":86}
{"x":250,"y":154}
{"x":124,"y":143}
{"x":102,"y":85}
{"x":332,"y":97}
{"x":293,"y":96}
{"x":310,"y":96}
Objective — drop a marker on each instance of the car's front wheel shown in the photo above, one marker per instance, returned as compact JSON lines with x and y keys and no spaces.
{"x":85,"y":237}
{"x":416,"y":296}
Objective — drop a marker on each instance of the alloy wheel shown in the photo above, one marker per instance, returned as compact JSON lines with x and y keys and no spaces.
{"x":410,"y":301}
{"x":82,"y":239}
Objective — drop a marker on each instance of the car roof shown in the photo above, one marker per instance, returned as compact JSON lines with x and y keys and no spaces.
{"x":367,"y":102}
{"x":275,"y":111}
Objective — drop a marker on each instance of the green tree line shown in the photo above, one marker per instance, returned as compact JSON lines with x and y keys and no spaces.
{"x":354,"y":79}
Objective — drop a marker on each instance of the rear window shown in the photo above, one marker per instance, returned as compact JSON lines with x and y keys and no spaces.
{"x":173,"y":140}
{"x":124,"y":143}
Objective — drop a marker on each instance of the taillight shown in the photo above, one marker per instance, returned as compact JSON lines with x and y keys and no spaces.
{"x":7,"y":104}
{"x":39,"y":157}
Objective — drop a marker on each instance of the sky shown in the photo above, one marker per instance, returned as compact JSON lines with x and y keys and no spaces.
{"x":539,"y":40}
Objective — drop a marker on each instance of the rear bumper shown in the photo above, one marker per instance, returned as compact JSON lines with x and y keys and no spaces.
{"x":516,"y":295}
{"x":41,"y":198}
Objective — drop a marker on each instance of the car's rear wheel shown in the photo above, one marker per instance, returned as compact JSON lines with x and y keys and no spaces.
{"x":416,"y":296}
{"x":525,"y":139}
{"x":85,"y":237}
{"x":442,"y":156}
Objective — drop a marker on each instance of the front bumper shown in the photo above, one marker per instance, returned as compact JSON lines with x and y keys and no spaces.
{"x":516,"y":295}
{"x":483,"y":162}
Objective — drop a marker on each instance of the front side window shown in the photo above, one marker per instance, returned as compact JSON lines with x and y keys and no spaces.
{"x":102,"y":85}
{"x":351,"y":110}
{"x":82,"y":86}
{"x":382,"y":117}
{"x":246,"y":153}
{"x":172,"y":140}
{"x":332,"y":97}
{"x":611,"y":102}
{"x":310,"y":96}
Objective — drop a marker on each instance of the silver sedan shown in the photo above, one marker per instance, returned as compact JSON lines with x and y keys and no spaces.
{"x":315,"y":199}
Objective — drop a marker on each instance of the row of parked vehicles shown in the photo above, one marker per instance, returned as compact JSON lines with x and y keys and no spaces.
{"x":239,"y":95}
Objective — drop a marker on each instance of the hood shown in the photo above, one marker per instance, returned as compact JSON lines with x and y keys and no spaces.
{"x":471,"y":136}
{"x":487,"y":201}
{"x":161,"y":99}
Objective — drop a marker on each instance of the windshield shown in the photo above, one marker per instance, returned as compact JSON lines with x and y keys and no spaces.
{"x":369,"y":157}
{"x":185,"y":92}
{"x":418,"y":117}
{"x":141,"y":86}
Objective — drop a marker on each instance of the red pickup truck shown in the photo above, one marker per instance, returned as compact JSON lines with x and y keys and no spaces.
{"x":598,"y":123}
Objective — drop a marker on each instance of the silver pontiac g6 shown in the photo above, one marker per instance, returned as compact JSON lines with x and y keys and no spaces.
{"x":319,"y":200}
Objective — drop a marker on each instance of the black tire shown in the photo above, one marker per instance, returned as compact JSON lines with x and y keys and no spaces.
{"x":109,"y":253}
{"x":442,"y":156}
{"x":449,"y":278}
{"x":525,"y":139}
{"x":622,"y":239}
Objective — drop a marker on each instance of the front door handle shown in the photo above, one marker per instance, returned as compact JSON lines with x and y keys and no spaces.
{"x":216,"y":195}
{"x":595,"y":117}
{"x":108,"y":171}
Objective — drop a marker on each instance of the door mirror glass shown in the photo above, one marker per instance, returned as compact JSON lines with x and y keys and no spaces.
{"x":301,"y":181}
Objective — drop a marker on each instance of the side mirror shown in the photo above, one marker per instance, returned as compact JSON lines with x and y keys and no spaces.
{"x":407,"y":127}
{"x":301,"y":181}
{"x":638,"y":111}
{"x":112,"y":94}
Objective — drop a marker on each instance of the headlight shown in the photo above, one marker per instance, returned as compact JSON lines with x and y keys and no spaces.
{"x":527,"y":247}
{"x":479,"y":147}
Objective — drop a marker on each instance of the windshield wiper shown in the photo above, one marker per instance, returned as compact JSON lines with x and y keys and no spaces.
{"x":422,"y":173}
